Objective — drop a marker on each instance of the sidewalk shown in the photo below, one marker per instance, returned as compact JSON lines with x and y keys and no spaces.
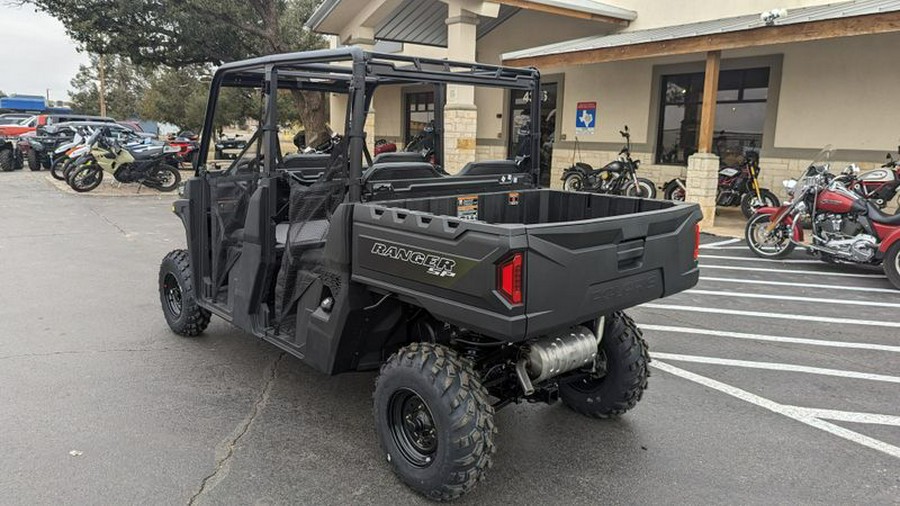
{"x":730,"y":222}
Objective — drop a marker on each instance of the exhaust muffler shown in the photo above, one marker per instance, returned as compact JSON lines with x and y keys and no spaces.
{"x":553,"y":355}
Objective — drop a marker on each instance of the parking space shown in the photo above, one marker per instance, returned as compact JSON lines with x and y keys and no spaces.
{"x":751,"y":399}
{"x":813,"y":342}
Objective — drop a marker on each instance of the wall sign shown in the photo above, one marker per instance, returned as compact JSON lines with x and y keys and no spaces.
{"x":585,"y":117}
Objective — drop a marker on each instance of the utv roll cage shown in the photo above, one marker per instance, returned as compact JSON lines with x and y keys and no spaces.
{"x":357,"y":74}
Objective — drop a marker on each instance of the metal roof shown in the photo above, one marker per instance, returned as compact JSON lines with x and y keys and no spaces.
{"x":423,"y":22}
{"x":425,"y":11}
{"x":716,"y":26}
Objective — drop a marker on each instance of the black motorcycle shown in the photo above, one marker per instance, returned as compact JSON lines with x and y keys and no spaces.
{"x":618,"y":177}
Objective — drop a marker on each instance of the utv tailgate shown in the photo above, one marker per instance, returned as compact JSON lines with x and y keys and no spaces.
{"x":585,"y":255}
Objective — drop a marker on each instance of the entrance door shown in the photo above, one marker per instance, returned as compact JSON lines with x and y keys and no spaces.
{"x":520,"y":125}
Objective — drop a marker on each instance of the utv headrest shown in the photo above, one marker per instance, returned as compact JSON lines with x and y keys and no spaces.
{"x":398,"y":156}
{"x":400,"y":170}
{"x":489,"y":168}
{"x":306,"y":161}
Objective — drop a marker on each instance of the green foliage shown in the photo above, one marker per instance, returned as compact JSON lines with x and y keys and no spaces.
{"x":126,"y":84}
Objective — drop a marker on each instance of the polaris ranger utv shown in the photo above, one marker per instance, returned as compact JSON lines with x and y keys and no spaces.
{"x":469,"y":291}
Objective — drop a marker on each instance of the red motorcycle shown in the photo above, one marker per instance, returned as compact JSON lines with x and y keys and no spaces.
{"x":188,"y":144}
{"x":844,"y":226}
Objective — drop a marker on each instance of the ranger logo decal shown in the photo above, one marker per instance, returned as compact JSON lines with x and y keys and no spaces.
{"x":436,"y":264}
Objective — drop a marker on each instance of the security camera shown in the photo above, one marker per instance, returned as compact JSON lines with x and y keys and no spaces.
{"x":769,"y":17}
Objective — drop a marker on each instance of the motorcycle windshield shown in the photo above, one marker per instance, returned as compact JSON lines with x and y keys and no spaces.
{"x":819,"y":165}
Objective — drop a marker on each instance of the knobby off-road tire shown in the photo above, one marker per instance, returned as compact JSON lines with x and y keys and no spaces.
{"x":85,"y":179}
{"x":434,"y":421}
{"x":7,"y":160}
{"x":58,"y":166}
{"x":178,"y":296}
{"x":892,"y":264}
{"x":627,"y":370}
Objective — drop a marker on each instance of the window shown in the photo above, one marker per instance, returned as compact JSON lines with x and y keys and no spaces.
{"x":740,"y":115}
{"x":419,"y":112}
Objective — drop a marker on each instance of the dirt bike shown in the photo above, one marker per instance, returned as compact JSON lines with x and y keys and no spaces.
{"x":738,"y":186}
{"x":618,"y":177}
{"x":845,"y":227}
{"x":151,"y":165}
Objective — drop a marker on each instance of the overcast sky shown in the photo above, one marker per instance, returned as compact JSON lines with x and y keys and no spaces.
{"x":35,"y":53}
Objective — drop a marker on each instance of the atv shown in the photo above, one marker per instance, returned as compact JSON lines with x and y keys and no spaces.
{"x":467,"y":292}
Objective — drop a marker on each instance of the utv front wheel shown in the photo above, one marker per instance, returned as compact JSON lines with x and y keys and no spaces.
{"x":178,"y":296}
{"x":434,"y":421}
{"x":625,"y":379}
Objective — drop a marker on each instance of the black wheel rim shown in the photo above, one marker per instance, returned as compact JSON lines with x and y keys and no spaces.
{"x":172,"y":295}
{"x":412,"y":428}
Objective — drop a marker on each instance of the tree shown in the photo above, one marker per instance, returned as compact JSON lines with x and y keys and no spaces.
{"x":126,"y":84}
{"x":178,"y":33}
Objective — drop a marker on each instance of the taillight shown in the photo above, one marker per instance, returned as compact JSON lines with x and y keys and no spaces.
{"x":697,"y":242}
{"x":509,"y":278}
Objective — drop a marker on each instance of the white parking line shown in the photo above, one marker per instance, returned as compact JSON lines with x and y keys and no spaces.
{"x":776,"y":366}
{"x":743,"y":247}
{"x":801,"y":285}
{"x":789,"y":411}
{"x":754,"y":259}
{"x":717,"y":244}
{"x":782,"y":316}
{"x":795,"y":298}
{"x":775,"y":339}
{"x":850,"y":416}
{"x":794,"y":271}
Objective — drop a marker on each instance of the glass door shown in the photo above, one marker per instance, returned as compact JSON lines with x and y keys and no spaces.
{"x":520,"y":125}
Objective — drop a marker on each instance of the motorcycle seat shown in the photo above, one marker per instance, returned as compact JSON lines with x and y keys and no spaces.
{"x":880,"y":216}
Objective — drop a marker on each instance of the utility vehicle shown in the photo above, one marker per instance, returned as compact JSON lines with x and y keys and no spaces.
{"x":469,"y":291}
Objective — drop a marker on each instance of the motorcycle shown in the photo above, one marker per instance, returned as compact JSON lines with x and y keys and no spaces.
{"x":878,"y":186}
{"x":738,"y":186}
{"x":152,"y":165}
{"x":188,"y":146}
{"x":618,"y":177}
{"x":844,"y":226}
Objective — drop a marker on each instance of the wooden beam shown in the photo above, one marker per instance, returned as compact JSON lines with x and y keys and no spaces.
{"x":764,"y":36}
{"x":710,"y":92}
{"x":562,"y":11}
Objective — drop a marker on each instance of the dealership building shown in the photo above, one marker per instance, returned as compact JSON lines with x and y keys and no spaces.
{"x":700,"y":83}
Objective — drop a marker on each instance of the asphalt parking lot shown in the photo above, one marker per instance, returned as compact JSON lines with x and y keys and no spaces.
{"x":773,"y":382}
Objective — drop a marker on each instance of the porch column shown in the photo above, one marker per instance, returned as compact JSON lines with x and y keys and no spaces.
{"x":460,"y":113}
{"x":703,"y":166}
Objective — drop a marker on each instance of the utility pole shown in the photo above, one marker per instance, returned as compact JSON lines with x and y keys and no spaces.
{"x":101,"y":69}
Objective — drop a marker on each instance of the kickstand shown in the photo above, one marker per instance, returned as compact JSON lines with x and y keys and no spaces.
{"x":140,"y":185}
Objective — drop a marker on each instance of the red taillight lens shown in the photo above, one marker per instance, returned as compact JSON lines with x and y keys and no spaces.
{"x":509,"y":278}
{"x":697,"y":242}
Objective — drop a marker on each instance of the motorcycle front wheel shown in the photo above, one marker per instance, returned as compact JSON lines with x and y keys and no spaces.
{"x":59,"y":165}
{"x":766,"y":244}
{"x":750,"y":202}
{"x":573,"y":182}
{"x":86,"y":178}
{"x":645,"y":189}
{"x":164,"y":178}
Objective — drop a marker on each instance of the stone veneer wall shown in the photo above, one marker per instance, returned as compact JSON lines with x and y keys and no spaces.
{"x":459,"y":137}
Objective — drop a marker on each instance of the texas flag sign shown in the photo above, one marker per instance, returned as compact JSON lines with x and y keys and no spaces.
{"x":586,"y":117}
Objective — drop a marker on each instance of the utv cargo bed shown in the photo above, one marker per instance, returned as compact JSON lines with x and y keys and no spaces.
{"x":579,"y":255}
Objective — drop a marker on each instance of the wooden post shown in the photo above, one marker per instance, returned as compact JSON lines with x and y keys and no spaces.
{"x":708,"y":113}
{"x":101,"y":70}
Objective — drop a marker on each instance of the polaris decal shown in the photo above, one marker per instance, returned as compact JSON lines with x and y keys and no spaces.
{"x":435,"y":264}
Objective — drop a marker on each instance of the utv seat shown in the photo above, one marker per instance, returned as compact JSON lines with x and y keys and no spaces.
{"x":306,"y":235}
{"x":398,"y":156}
{"x":490,"y":168}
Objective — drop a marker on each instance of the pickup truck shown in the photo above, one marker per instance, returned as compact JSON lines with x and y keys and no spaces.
{"x":467,"y":292}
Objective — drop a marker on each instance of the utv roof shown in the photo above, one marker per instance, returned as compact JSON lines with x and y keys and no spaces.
{"x":328,"y":70}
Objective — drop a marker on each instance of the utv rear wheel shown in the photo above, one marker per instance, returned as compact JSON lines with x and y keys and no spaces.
{"x":434,"y":421}
{"x":892,"y":264}
{"x":7,"y":160}
{"x":622,"y":386}
{"x":178,"y":296}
